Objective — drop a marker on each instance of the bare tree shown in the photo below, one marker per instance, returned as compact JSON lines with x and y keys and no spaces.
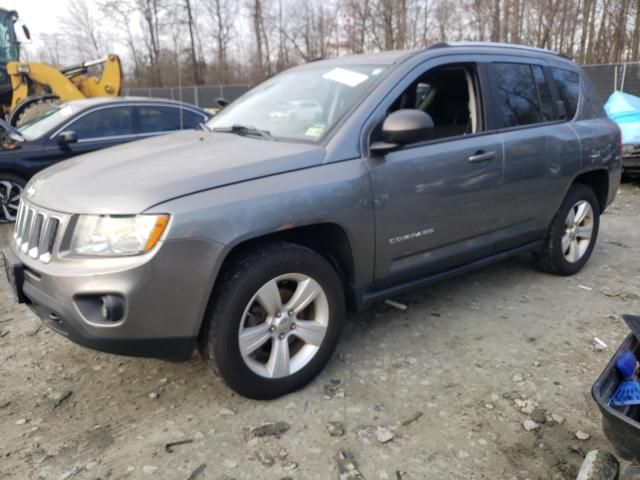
{"x":222,"y":16}
{"x":231,"y":41}
{"x":197,"y":75}
{"x":83,"y":30}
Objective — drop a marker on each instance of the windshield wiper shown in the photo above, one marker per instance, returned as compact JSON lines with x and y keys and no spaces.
{"x":244,"y":130}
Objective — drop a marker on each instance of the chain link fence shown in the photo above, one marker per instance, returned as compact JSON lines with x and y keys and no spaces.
{"x":605,"y":78}
{"x":608,"y":78}
{"x":203,"y":96}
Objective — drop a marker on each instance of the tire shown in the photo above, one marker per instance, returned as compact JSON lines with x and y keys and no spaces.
{"x":35,"y":109}
{"x":238,"y":305}
{"x":11,"y":187}
{"x":554,"y":257}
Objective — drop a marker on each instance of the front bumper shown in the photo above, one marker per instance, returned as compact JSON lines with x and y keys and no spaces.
{"x":165,"y":294}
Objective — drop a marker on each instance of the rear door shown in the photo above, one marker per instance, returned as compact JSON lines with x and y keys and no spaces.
{"x":540,"y":150}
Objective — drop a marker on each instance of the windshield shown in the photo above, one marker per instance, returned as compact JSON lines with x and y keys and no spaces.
{"x":50,"y":119}
{"x":8,"y":43}
{"x":300,"y":104}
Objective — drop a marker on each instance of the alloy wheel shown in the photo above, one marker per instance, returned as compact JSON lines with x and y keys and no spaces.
{"x":283,"y":325}
{"x":9,"y":200}
{"x":578,"y":229}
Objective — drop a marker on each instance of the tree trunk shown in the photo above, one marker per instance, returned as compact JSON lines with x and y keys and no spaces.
{"x":635,"y":39}
{"x":257,"y":31}
{"x":495,"y":22}
{"x":197,"y":77}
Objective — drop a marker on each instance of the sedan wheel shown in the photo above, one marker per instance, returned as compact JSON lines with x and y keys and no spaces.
{"x":10,"y":193}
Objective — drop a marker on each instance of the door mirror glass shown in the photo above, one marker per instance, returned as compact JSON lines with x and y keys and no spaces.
{"x":66,"y":137}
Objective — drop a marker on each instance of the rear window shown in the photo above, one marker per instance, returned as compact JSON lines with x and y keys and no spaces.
{"x":517,"y":95}
{"x":568,"y":85}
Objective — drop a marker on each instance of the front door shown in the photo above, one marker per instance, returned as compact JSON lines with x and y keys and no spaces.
{"x":435,"y":202}
{"x":95,"y":130}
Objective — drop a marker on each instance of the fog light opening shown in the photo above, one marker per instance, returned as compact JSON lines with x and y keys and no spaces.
{"x":111,"y":308}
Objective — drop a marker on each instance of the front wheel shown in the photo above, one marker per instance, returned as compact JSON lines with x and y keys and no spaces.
{"x":573,"y":233}
{"x":11,"y":188}
{"x":275,"y":320}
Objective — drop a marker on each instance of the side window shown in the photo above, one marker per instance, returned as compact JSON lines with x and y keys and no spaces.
{"x":449,"y":95}
{"x":155,"y":119}
{"x":568,"y":84}
{"x":517,"y":94}
{"x":191,"y":120}
{"x":546,"y":102}
{"x":106,"y":122}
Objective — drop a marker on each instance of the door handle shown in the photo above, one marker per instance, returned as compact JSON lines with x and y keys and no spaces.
{"x":482,"y":157}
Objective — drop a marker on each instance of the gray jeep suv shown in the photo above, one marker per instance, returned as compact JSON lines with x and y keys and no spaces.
{"x":252,"y":236}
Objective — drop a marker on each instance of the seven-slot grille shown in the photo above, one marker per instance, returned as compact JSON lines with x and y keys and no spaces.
{"x":35,"y":231}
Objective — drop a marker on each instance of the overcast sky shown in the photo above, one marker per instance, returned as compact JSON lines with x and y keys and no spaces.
{"x":41,"y":16}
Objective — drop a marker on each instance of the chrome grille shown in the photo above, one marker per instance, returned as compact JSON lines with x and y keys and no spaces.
{"x":36,"y":231}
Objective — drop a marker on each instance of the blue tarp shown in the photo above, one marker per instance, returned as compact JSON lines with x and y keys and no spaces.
{"x":624,"y":109}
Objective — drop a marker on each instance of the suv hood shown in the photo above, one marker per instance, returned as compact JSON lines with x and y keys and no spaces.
{"x":133,"y":177}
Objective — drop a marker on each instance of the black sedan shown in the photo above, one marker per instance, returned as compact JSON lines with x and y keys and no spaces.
{"x":79,"y":127}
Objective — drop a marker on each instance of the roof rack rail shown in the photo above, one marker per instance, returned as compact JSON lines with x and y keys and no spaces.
{"x":496,"y":44}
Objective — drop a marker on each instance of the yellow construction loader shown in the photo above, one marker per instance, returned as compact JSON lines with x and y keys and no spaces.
{"x":29,"y":89}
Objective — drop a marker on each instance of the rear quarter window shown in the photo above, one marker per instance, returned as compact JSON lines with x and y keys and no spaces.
{"x":592,"y":104}
{"x":568,"y":85}
{"x":158,"y":119}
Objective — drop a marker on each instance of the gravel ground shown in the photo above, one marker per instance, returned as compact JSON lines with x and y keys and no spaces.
{"x":486,"y":376}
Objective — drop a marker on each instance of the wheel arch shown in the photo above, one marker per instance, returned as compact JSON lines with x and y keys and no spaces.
{"x":16,"y":172}
{"x":328,"y":239}
{"x":598,"y":181}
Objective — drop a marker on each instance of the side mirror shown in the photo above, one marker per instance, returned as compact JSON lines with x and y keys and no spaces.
{"x":222,"y":102}
{"x":66,"y":137}
{"x":404,"y":127}
{"x":23,"y":35}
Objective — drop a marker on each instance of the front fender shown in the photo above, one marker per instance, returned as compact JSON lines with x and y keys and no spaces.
{"x":337,"y":193}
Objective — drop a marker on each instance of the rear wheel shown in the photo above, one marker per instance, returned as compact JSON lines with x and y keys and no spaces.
{"x":275,"y":320}
{"x":11,"y":187}
{"x":573,"y":233}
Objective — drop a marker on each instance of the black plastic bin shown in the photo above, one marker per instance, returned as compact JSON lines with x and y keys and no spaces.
{"x":621,"y":428}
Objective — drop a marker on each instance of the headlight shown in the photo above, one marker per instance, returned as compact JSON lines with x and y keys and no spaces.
{"x":104,"y":235}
